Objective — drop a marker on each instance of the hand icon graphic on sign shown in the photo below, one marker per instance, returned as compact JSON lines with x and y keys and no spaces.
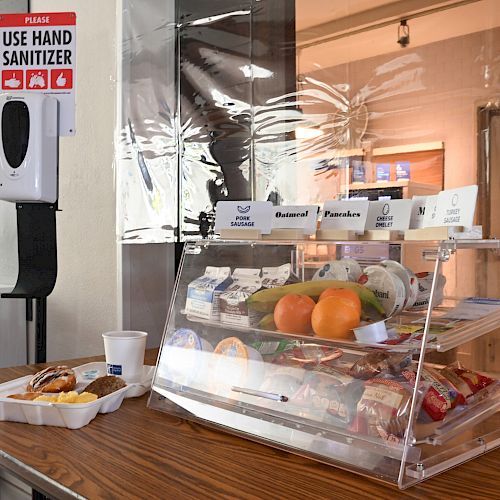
{"x":12,"y":79}
{"x":13,"y":83}
{"x":37,"y":79}
{"x":61,"y":81}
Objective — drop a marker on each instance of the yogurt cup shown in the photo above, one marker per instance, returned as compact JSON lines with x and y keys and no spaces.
{"x":408,"y":278}
{"x":424,"y":291}
{"x":188,"y":339}
{"x":342,"y":270}
{"x":236,"y":364}
{"x":387,"y":287}
{"x":185,"y":359}
{"x":353,"y":268}
{"x":371,"y":333}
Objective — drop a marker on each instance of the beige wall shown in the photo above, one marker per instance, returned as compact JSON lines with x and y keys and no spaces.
{"x":84,"y":302}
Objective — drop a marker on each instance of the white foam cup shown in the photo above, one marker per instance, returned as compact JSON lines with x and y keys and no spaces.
{"x":124,"y":352}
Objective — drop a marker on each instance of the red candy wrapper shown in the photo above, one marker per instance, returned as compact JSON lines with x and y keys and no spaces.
{"x":438,"y":398}
{"x":468,"y":382}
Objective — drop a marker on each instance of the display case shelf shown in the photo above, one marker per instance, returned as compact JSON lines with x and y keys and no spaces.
{"x":285,"y":420}
{"x":463,"y":331}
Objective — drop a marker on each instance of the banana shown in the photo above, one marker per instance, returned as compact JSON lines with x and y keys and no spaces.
{"x":267,"y":322}
{"x":265,"y":300}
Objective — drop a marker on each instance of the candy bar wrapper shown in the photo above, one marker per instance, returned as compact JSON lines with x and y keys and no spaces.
{"x":470,"y":383}
{"x":438,"y":399}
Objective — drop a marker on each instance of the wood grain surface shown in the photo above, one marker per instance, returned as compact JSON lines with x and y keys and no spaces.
{"x":138,"y":453}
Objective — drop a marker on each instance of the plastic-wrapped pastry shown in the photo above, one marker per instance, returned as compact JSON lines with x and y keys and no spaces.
{"x":379,"y":363}
{"x":383,"y":410}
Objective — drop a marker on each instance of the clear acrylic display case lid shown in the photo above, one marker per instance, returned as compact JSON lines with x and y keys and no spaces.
{"x":298,"y":392}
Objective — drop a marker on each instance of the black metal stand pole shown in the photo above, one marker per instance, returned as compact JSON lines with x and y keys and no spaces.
{"x":41,"y":331}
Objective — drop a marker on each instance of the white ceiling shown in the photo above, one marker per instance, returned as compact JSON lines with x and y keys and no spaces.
{"x":470,"y":18}
{"x":313,"y":12}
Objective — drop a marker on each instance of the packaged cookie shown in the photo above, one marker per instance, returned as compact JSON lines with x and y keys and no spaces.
{"x":378,"y":363}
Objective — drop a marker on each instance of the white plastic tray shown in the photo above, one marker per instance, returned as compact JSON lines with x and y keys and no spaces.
{"x":70,"y":415}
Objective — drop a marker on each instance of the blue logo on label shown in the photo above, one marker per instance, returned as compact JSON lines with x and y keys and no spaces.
{"x":114,"y":369}
{"x":243,"y":210}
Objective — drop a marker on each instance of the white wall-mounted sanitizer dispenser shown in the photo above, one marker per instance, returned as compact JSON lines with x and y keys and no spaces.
{"x":28,"y":148}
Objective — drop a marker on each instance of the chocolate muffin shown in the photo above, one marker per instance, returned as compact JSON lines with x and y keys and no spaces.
{"x":103,"y":386}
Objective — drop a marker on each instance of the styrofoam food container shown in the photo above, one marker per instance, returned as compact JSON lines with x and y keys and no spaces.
{"x":408,"y":278}
{"x":387,"y":287}
{"x":371,"y":333}
{"x":70,"y":415}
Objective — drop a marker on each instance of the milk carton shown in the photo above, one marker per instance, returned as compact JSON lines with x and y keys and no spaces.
{"x":233,"y":302}
{"x":204,"y":292}
{"x":273,"y":277}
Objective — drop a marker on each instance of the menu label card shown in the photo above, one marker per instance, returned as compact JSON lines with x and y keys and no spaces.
{"x":456,"y":207}
{"x":392,"y":215}
{"x":418,"y":212}
{"x":430,"y":210}
{"x":296,"y":217}
{"x":348,"y":215}
{"x":255,"y":215}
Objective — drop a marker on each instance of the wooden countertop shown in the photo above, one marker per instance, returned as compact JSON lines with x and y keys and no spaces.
{"x":138,"y":453}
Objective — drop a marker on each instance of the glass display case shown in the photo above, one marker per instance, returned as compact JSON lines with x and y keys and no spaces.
{"x":387,"y":369}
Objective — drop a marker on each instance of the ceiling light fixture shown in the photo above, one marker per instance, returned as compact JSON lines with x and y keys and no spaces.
{"x":403,"y":33}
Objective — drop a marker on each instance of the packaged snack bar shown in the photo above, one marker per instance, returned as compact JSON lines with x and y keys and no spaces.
{"x":233,"y":301}
{"x":378,"y":363}
{"x":204,"y":292}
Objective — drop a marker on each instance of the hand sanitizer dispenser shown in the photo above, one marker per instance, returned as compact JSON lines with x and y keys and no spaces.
{"x":28,"y":148}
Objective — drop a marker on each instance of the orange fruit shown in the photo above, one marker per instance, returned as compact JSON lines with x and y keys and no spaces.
{"x":334,"y":318}
{"x":292,"y":313}
{"x":343,"y":292}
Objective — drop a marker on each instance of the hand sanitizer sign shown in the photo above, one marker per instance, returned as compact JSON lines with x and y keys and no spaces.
{"x":38,"y":55}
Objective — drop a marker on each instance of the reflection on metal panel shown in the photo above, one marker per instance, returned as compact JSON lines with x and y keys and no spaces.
{"x":241,"y":99}
{"x":147,"y":143}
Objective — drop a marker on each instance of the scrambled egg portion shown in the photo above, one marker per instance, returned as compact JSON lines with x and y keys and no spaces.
{"x":68,"y":397}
